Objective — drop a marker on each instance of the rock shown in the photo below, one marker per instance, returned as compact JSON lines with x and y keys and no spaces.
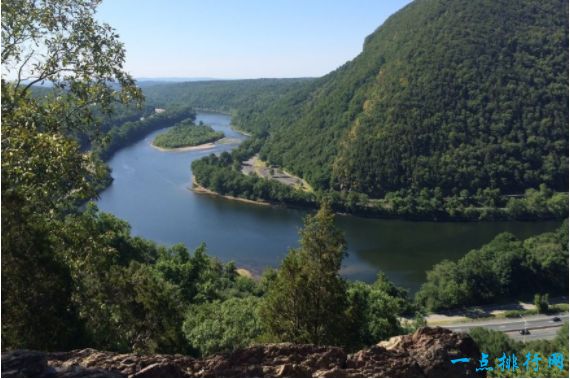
{"x":376,"y":361}
{"x":21,"y":364}
{"x":426,"y":353}
{"x":25,"y":364}
{"x":433,"y":349}
{"x":291,"y":371}
{"x":161,"y":370}
{"x":332,"y":373}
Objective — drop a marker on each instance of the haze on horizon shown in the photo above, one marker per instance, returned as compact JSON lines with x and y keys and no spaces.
{"x":227,"y":39}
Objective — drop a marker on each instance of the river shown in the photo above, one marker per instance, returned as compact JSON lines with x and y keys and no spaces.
{"x":151,"y":191}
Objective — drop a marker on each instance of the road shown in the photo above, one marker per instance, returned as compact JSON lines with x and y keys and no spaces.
{"x":540,"y":326}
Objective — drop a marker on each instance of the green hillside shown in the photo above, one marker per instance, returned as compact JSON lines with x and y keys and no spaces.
{"x":461,"y":95}
{"x":245,"y":99}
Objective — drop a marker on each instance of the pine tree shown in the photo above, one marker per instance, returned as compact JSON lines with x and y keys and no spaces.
{"x":307,"y":301}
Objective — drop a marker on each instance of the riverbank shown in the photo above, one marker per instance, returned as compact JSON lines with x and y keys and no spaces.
{"x":204,"y":146}
{"x":254,"y":178}
{"x":197,"y":188}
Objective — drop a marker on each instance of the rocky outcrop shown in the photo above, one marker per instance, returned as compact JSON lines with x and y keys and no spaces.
{"x":426,"y":353}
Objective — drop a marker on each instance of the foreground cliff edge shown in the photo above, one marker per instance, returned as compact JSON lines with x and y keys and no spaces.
{"x":425,"y":353}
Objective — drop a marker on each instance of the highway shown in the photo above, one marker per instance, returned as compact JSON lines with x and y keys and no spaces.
{"x":540,"y":326}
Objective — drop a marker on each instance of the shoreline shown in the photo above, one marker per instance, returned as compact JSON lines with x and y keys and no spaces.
{"x":197,"y":188}
{"x":204,"y":146}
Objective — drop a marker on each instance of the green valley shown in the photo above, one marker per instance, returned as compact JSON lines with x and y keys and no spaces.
{"x":121,"y":232}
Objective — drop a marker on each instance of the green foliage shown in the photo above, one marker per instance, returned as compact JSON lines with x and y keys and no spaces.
{"x":493,"y":342}
{"x":119,"y":137}
{"x":373,"y":311}
{"x":222,"y":326}
{"x":145,"y":312}
{"x":73,"y":279}
{"x":541,"y":303}
{"x":505,"y":267}
{"x":61,"y":42}
{"x":36,"y":288}
{"x":516,"y":313}
{"x":460,"y":95}
{"x":44,"y":173}
{"x":541,"y":203}
{"x":186,"y":133}
{"x":132,"y":295}
{"x":244,"y":99}
{"x":418,"y":123}
{"x":561,"y":340}
{"x":224,"y":176}
{"x":219,"y":175}
{"x":497,"y":343}
{"x":306,"y":302}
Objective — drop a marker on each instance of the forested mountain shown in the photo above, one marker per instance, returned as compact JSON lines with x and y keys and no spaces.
{"x":462,"y":95}
{"x":239,"y":97}
{"x":244,"y":99}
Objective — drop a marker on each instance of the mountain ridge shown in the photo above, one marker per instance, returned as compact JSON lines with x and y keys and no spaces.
{"x":457,"y":95}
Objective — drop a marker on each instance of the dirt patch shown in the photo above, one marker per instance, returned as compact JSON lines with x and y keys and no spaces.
{"x":256,"y":166}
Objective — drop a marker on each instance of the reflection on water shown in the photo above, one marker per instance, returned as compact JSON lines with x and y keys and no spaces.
{"x":150,"y":191}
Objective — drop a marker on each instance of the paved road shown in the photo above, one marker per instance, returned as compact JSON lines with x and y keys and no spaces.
{"x":458,"y":315}
{"x":536,"y":334}
{"x":540,"y":326}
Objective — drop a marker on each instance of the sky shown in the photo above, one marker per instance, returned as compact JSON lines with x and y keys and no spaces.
{"x":239,"y":39}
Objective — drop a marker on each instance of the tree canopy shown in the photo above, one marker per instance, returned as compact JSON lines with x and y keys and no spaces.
{"x":456,"y":95}
{"x":186,"y":133}
{"x":504,"y":268}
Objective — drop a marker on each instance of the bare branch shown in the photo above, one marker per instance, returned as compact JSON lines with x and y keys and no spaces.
{"x":22,"y":67}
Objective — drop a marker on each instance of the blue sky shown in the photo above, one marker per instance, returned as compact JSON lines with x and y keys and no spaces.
{"x":242,"y":38}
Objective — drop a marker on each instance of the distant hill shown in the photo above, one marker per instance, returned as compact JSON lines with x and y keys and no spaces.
{"x":175,"y":79}
{"x":460,"y":95}
{"x":244,"y":96}
{"x":150,"y":81}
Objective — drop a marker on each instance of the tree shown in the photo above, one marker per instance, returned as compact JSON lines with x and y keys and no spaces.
{"x":306,"y":302}
{"x":541,"y":303}
{"x":373,"y":312}
{"x":146,"y":311}
{"x":494,"y":343}
{"x":222,"y":326}
{"x":60,"y":41}
{"x":44,"y":172}
{"x":505,"y":267}
{"x":36,"y":285}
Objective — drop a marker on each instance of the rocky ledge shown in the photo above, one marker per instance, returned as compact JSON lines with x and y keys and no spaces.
{"x":425,"y":353}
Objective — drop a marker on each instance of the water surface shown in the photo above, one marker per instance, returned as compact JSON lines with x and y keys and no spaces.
{"x":150,"y":191}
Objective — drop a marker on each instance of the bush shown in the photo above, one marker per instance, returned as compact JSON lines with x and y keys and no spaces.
{"x":222,"y":326}
{"x":541,"y":303}
{"x":505,"y":267}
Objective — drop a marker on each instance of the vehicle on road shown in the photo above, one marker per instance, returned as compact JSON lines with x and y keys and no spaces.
{"x":556,"y":319}
{"x":524,"y":332}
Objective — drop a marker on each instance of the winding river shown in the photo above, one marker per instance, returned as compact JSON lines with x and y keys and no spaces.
{"x":151,"y":191}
